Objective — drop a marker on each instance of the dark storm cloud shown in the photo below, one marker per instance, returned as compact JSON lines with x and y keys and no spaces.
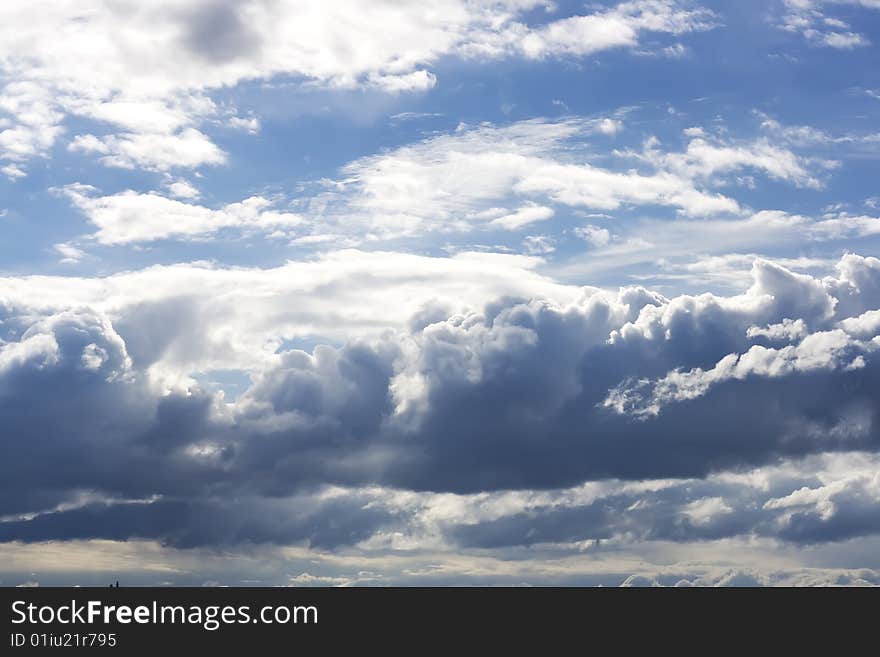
{"x":77,"y":417}
{"x":536,"y":416}
{"x":322,"y":524}
{"x":688,"y":511}
{"x":525,"y":395}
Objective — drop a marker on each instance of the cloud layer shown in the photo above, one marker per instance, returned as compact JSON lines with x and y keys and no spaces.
{"x":695,"y":418}
{"x":144,"y":73}
{"x":477,"y":292}
{"x":479,"y":178}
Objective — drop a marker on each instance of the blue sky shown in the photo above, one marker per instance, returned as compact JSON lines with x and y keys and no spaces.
{"x":481,"y":292}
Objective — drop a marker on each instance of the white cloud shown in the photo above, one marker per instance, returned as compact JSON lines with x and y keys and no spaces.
{"x":841,"y":41}
{"x":808,"y":18}
{"x":594,"y":235}
{"x":528,"y":214}
{"x":183,"y":189}
{"x":461,"y":181}
{"x":188,"y":148}
{"x":34,"y":128}
{"x":719,"y":245}
{"x":539,"y":245}
{"x":250,"y":125}
{"x":840,"y":346}
{"x":808,"y":136}
{"x":70,"y":254}
{"x":476,"y":178}
{"x":787,"y":330}
{"x":843,"y":225}
{"x":610,"y":126}
{"x":676,"y":51}
{"x":241,"y":315}
{"x":707,"y":158}
{"x":818,"y":351}
{"x":146,"y":69}
{"x":130,"y":217}
{"x":617,"y":27}
{"x":12,"y":171}
{"x":416,"y":81}
{"x":147,"y":115}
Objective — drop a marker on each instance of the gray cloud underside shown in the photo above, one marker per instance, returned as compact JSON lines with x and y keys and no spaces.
{"x":709,"y":563}
{"x":724,"y":403}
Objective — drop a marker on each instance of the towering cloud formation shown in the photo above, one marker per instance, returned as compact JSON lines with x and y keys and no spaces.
{"x":521,"y":395}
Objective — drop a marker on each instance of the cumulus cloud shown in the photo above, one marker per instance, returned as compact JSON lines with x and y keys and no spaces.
{"x":35,"y":128}
{"x":616,"y":27}
{"x":132,"y":217}
{"x":188,"y":148}
{"x":146,"y":72}
{"x":475,"y":429}
{"x":183,"y":189}
{"x":202,"y":316}
{"x":467,"y":411}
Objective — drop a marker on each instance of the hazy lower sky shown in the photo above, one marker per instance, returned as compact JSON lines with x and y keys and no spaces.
{"x":459,"y":292}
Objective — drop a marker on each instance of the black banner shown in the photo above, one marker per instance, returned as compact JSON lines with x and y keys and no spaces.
{"x":131,"y":621}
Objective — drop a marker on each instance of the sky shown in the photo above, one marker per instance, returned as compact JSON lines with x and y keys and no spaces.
{"x":371,"y":292}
